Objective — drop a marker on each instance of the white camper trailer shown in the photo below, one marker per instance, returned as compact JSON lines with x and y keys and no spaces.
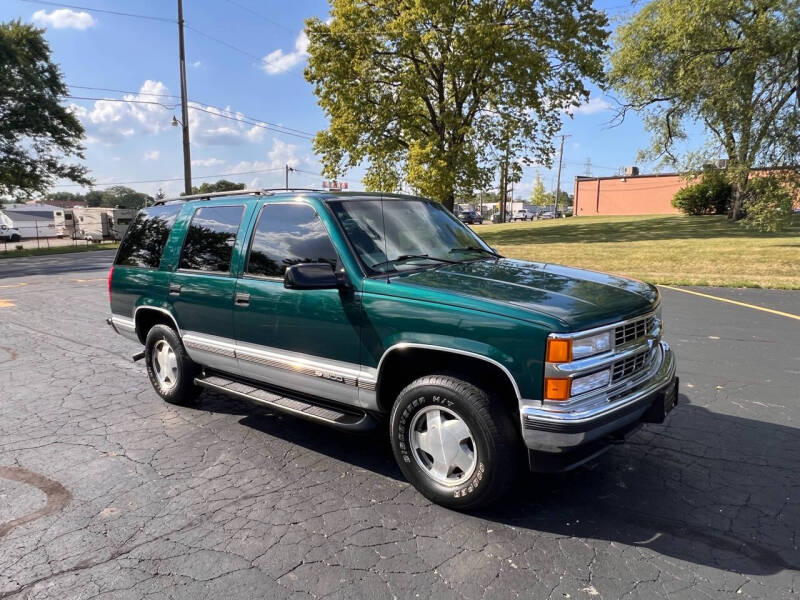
{"x":100,"y":223}
{"x":32,"y":220}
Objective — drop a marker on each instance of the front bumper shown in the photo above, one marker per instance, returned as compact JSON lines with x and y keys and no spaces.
{"x":553,"y":432}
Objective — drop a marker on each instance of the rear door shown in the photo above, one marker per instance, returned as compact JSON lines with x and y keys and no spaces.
{"x":201,"y":290}
{"x":303,"y":340}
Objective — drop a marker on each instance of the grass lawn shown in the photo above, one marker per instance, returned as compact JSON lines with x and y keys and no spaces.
{"x":678,"y":250}
{"x":56,"y":250}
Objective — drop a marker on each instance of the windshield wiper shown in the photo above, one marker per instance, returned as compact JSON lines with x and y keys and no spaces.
{"x":476,"y":249}
{"x":404,"y":257}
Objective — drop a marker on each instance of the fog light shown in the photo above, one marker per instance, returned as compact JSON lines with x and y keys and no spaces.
{"x":581,"y":385}
{"x":556,"y":389}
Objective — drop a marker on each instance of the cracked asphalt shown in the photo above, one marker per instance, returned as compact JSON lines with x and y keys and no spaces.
{"x":107,"y":492}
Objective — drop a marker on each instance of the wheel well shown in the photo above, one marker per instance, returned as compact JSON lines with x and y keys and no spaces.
{"x":403,"y":366}
{"x":147,"y":317}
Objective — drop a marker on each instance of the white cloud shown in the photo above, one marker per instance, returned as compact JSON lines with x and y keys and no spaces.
{"x":198,"y":64}
{"x":281,"y":154}
{"x":207,"y":162}
{"x":278,"y":61}
{"x":109,"y":121}
{"x":150,"y":112}
{"x":152,"y":155}
{"x":593,"y":106}
{"x":64,"y":18}
{"x":211,"y":126}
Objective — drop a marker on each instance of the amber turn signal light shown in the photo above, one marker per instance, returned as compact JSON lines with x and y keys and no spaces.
{"x":556,"y":389}
{"x":559,"y":351}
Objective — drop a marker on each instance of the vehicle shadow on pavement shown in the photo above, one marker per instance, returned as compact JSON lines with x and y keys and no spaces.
{"x":706,"y":488}
{"x":370,"y":451}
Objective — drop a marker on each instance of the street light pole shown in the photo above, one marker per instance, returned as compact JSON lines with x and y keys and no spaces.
{"x":187,"y":159}
{"x":558,"y":179}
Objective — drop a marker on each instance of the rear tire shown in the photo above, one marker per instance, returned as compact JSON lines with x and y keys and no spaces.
{"x":453,"y":442}
{"x":169,"y":367}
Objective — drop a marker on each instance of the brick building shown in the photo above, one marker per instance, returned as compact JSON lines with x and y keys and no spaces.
{"x":630,"y":194}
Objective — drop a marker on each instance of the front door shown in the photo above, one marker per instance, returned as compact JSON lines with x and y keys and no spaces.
{"x":202,"y":290}
{"x":303,"y":340}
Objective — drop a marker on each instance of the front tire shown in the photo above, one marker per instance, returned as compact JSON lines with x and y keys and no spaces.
{"x":169,"y":367}
{"x":453,"y":442}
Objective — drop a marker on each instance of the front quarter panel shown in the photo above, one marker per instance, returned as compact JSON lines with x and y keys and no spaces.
{"x":516,"y":345}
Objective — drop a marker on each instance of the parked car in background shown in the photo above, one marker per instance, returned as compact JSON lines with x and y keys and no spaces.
{"x":525,"y":214}
{"x":548,"y":214}
{"x":470,"y":217}
{"x":350,"y":309}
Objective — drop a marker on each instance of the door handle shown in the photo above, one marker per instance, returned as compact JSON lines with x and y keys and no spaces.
{"x":242,"y":299}
{"x":174,"y":289}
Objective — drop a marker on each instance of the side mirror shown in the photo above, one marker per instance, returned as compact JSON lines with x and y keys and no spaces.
{"x":310,"y":276}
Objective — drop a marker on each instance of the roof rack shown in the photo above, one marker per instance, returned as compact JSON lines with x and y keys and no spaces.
{"x":250,"y":192}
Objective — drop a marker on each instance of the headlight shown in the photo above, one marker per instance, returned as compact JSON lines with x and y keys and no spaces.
{"x":587,"y":383}
{"x":594,"y":344}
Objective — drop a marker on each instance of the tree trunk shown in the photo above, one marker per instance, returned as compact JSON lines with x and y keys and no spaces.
{"x":449,"y":200}
{"x":736,"y":211}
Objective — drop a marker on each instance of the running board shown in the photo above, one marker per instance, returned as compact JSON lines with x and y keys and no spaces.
{"x":355,"y":420}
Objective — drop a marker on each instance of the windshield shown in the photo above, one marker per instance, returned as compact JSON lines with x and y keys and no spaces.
{"x":418,"y":234}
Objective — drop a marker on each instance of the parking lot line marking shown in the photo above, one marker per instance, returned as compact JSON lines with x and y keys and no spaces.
{"x":87,"y":280}
{"x":13,"y":285}
{"x":6,"y":303}
{"x":736,"y":302}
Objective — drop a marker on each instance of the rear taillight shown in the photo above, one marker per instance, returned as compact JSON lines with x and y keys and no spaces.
{"x":110,"y":275}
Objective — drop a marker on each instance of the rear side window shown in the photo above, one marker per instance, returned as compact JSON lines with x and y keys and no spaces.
{"x":286,"y":235}
{"x":210,"y":238}
{"x":146,"y":237}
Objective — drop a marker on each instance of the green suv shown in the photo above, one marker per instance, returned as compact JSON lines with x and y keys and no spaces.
{"x":354,"y":309}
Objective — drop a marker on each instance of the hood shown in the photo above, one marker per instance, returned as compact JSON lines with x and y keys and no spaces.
{"x":578,"y":298}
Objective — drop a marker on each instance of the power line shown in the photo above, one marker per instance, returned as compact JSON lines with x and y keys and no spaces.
{"x":169,"y":179}
{"x":207,"y":104}
{"x":223,"y":42}
{"x":100,"y":10}
{"x":258,"y":14}
{"x":169,"y":106}
{"x":246,"y":121}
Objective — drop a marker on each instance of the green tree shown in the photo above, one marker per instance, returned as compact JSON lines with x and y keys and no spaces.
{"x":564,"y":198}
{"x":223,"y":185}
{"x":538,"y":196}
{"x":708,"y":196}
{"x":68,"y":198}
{"x":94,"y":198}
{"x":729,"y":65}
{"x":430,"y":92}
{"x":38,"y":135}
{"x":119,"y":195}
{"x":769,"y":202}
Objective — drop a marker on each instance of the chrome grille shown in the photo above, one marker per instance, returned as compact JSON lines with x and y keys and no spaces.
{"x":633,"y":330}
{"x":630,"y":366}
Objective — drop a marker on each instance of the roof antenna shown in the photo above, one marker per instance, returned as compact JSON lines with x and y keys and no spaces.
{"x":385,"y":248}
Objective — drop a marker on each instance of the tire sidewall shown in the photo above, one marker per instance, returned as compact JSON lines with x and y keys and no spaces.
{"x":409,"y":403}
{"x":178,"y":392}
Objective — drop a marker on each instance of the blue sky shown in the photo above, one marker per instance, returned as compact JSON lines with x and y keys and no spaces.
{"x":254,"y":69}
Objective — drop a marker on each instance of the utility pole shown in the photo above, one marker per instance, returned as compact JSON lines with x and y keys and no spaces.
{"x":558,"y":179}
{"x":187,"y":159}
{"x":288,"y":169}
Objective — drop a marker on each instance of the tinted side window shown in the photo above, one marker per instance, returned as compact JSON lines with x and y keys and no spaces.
{"x":286,"y":235}
{"x":146,"y":237}
{"x":210,"y":238}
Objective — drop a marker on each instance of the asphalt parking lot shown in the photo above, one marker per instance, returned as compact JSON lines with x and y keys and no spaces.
{"x":107,"y":492}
